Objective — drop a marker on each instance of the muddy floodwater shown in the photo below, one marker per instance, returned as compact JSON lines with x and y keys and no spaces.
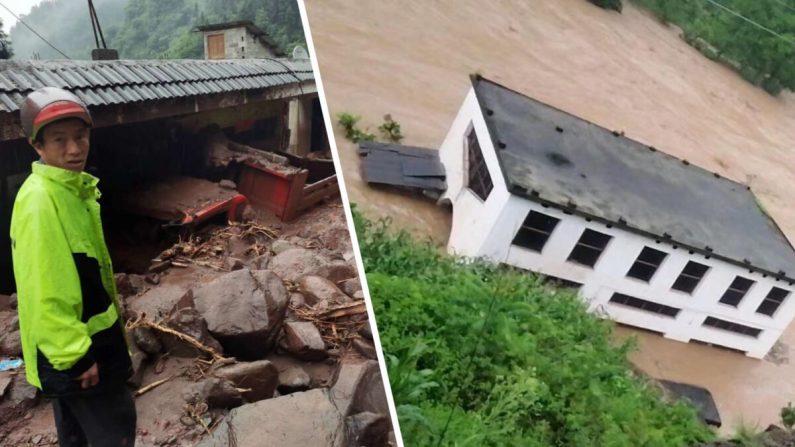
{"x":623,"y":71}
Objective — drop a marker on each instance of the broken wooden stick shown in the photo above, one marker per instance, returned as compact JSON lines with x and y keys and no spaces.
{"x":153,"y":385}
{"x":141,"y":322}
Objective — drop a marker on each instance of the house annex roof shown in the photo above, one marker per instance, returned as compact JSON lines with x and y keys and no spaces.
{"x":550,"y":156}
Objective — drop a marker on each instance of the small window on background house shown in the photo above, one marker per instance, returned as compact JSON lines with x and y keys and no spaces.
{"x":736,"y":291}
{"x":772,"y":301}
{"x":690,"y":277}
{"x":647,"y":264}
{"x":589,"y":247}
{"x":535,"y":231}
{"x":732,"y":327}
{"x":479,"y":179}
{"x":648,"y":306}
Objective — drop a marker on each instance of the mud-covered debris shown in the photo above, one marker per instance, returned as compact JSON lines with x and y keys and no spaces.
{"x":259,"y":378}
{"x":10,"y":343}
{"x":366,"y":332}
{"x":217,"y":392}
{"x":294,"y":263}
{"x":244,"y":310}
{"x":350,"y":286}
{"x":227,"y":184}
{"x":317,"y":289}
{"x":233,"y":264}
{"x":302,"y":339}
{"x":280,"y":245}
{"x":365,"y":348}
{"x":138,"y":358}
{"x":129,"y":284}
{"x":188,"y":320}
{"x":294,"y":379}
{"x":5,"y":382}
{"x":299,"y":419}
{"x":358,"y":295}
{"x":147,"y":340}
{"x":297,"y":300}
{"x":367,"y":429}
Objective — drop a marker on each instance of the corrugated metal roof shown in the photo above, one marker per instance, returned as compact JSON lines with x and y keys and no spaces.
{"x":116,"y":82}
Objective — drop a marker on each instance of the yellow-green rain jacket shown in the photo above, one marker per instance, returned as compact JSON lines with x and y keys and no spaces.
{"x":68,"y":308}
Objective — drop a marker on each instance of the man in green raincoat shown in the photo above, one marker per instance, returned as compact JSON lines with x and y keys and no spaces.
{"x":73,"y":339}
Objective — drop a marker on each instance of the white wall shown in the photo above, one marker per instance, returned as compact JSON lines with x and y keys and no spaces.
{"x":486,"y":229}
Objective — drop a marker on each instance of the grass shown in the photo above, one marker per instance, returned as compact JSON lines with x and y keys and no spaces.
{"x":481,"y":355}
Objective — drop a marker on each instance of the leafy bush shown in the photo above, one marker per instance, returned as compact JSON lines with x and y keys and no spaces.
{"x":788,"y":416}
{"x":350,"y":122}
{"x":391,"y":130}
{"x":486,"y":355}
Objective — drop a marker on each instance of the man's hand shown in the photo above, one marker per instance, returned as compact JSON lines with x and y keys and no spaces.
{"x":90,"y":377}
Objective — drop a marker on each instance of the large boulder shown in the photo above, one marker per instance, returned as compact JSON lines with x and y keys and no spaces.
{"x":244,"y":310}
{"x":359,"y":388}
{"x":10,"y":343}
{"x":302,"y":339}
{"x":293,"y":263}
{"x":299,"y":419}
{"x":215,"y":391}
{"x":185,"y":318}
{"x":260,"y":378}
{"x":317,"y":289}
{"x":367,"y":429}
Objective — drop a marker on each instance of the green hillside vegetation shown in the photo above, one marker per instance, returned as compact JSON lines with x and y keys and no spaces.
{"x":148,"y":29}
{"x":761,"y":57}
{"x":516,"y":362}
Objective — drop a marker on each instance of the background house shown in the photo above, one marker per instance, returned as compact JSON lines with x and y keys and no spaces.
{"x":649,"y":240}
{"x":237,"y":40}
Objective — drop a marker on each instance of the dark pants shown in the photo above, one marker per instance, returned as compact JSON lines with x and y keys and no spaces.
{"x":101,"y":420}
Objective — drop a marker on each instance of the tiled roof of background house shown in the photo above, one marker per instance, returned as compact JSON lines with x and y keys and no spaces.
{"x":125,"y":81}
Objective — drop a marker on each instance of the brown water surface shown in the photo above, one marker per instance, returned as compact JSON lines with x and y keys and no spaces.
{"x":623,"y":71}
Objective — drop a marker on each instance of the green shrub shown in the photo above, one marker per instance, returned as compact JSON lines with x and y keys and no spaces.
{"x":788,"y":416}
{"x":349,"y":123}
{"x":503,"y":358}
{"x":391,"y":130}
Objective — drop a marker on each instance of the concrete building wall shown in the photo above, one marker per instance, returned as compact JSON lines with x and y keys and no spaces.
{"x":239,"y":43}
{"x":487,"y":228}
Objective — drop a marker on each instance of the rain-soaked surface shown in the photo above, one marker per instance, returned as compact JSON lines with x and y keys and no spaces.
{"x":623,"y":71}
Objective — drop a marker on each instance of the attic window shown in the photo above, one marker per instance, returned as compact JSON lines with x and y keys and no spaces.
{"x":736,"y":291}
{"x":732,"y":327}
{"x":647,"y":306}
{"x":589,"y":247}
{"x":772,"y":301}
{"x":535,"y":231}
{"x":647,"y":264}
{"x":690,"y":277}
{"x":479,"y":180}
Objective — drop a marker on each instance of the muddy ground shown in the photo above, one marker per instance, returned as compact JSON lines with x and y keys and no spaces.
{"x":623,"y":71}
{"x":279,"y":351}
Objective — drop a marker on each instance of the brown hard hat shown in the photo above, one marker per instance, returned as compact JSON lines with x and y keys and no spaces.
{"x":47,"y":105}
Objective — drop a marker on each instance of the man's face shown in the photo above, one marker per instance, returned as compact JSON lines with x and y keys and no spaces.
{"x":64,"y":144}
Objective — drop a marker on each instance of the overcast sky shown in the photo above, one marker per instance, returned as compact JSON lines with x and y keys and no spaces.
{"x":20,"y":7}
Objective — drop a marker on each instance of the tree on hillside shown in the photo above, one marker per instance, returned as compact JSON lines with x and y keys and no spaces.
{"x":5,"y":44}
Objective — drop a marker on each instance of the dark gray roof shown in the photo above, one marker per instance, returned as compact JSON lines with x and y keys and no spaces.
{"x":406,"y":166}
{"x":125,"y":81}
{"x":553,"y":157}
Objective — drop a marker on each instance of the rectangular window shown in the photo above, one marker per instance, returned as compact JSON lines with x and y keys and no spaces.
{"x":772,"y":301}
{"x":479,"y":179}
{"x":647,"y":264}
{"x":535,"y":231}
{"x":736,"y":291}
{"x":732,"y":327}
{"x":647,"y":306}
{"x":690,"y":277}
{"x":589,"y":247}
